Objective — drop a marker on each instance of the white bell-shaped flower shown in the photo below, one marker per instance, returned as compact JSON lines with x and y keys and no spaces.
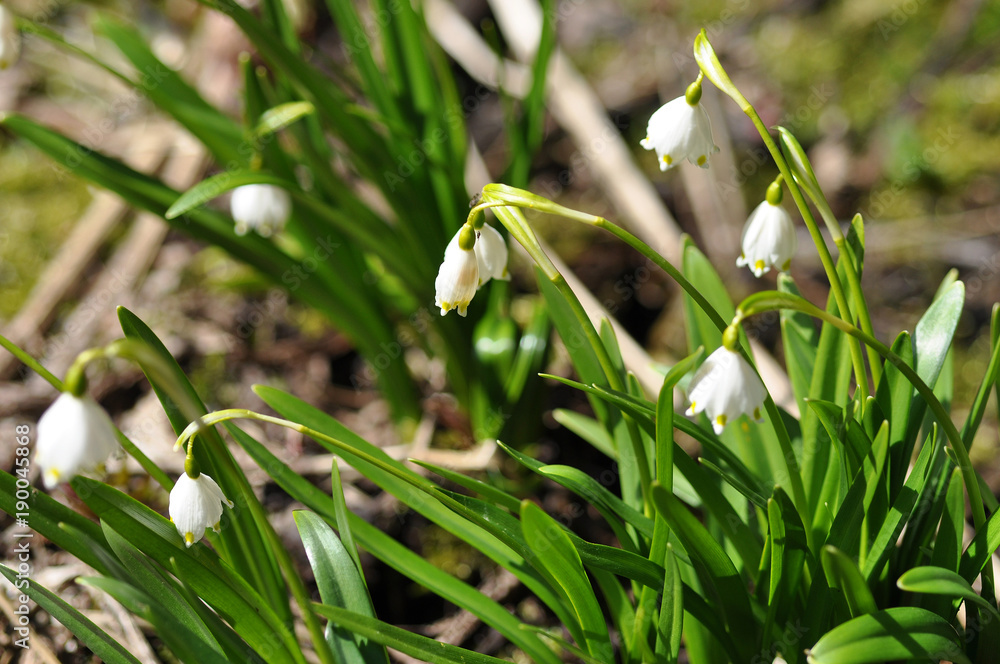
{"x":769,"y":236}
{"x":458,"y":277}
{"x":195,"y":505}
{"x":10,"y":39}
{"x":491,"y":253}
{"x":681,"y":129}
{"x":75,"y":436}
{"x":725,"y":387}
{"x":263,"y":208}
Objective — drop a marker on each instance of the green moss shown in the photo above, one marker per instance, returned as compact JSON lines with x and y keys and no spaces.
{"x":40,"y":205}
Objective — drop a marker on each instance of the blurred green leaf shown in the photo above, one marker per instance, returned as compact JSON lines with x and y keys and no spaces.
{"x":169,"y":92}
{"x":278,"y":117}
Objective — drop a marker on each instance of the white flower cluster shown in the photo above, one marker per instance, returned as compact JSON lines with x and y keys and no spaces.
{"x":471,"y":259}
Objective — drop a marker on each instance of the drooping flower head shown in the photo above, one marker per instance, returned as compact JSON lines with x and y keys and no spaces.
{"x":75,"y":436}
{"x":10,"y":39}
{"x":263,"y":208}
{"x":725,"y":387}
{"x":196,"y":503}
{"x":769,"y":235}
{"x":681,"y":129}
{"x":491,"y":253}
{"x":458,"y":276}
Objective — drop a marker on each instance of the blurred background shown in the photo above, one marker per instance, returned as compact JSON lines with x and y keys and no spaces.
{"x":896,"y":101}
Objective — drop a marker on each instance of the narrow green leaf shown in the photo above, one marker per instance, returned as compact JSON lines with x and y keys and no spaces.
{"x":398,"y":557}
{"x":788,"y":556}
{"x":92,"y":636}
{"x":671,"y":623}
{"x":421,"y":647}
{"x":611,"y":507}
{"x":842,"y":573}
{"x":243,"y":544}
{"x":583,"y":356}
{"x":982,"y":546}
{"x":213,"y":580}
{"x":47,"y":514}
{"x":949,"y":539}
{"x":558,"y":561}
{"x":182,"y":625}
{"x":413,"y":489}
{"x":701,"y":328}
{"x":340,"y":584}
{"x":903,"y":633}
{"x":188,"y":646}
{"x":725,"y":589}
{"x":885,"y":541}
{"x":488,"y":491}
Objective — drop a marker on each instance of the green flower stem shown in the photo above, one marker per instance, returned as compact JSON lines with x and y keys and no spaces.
{"x":31,"y":362}
{"x":513,"y":219}
{"x":773,"y":300}
{"x":860,"y":374}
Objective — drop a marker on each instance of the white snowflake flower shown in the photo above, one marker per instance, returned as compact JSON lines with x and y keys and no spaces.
{"x":681,"y":129}
{"x":75,"y":436}
{"x":195,"y":505}
{"x":458,"y":276}
{"x":263,"y":208}
{"x":725,"y":387}
{"x":768,"y":239}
